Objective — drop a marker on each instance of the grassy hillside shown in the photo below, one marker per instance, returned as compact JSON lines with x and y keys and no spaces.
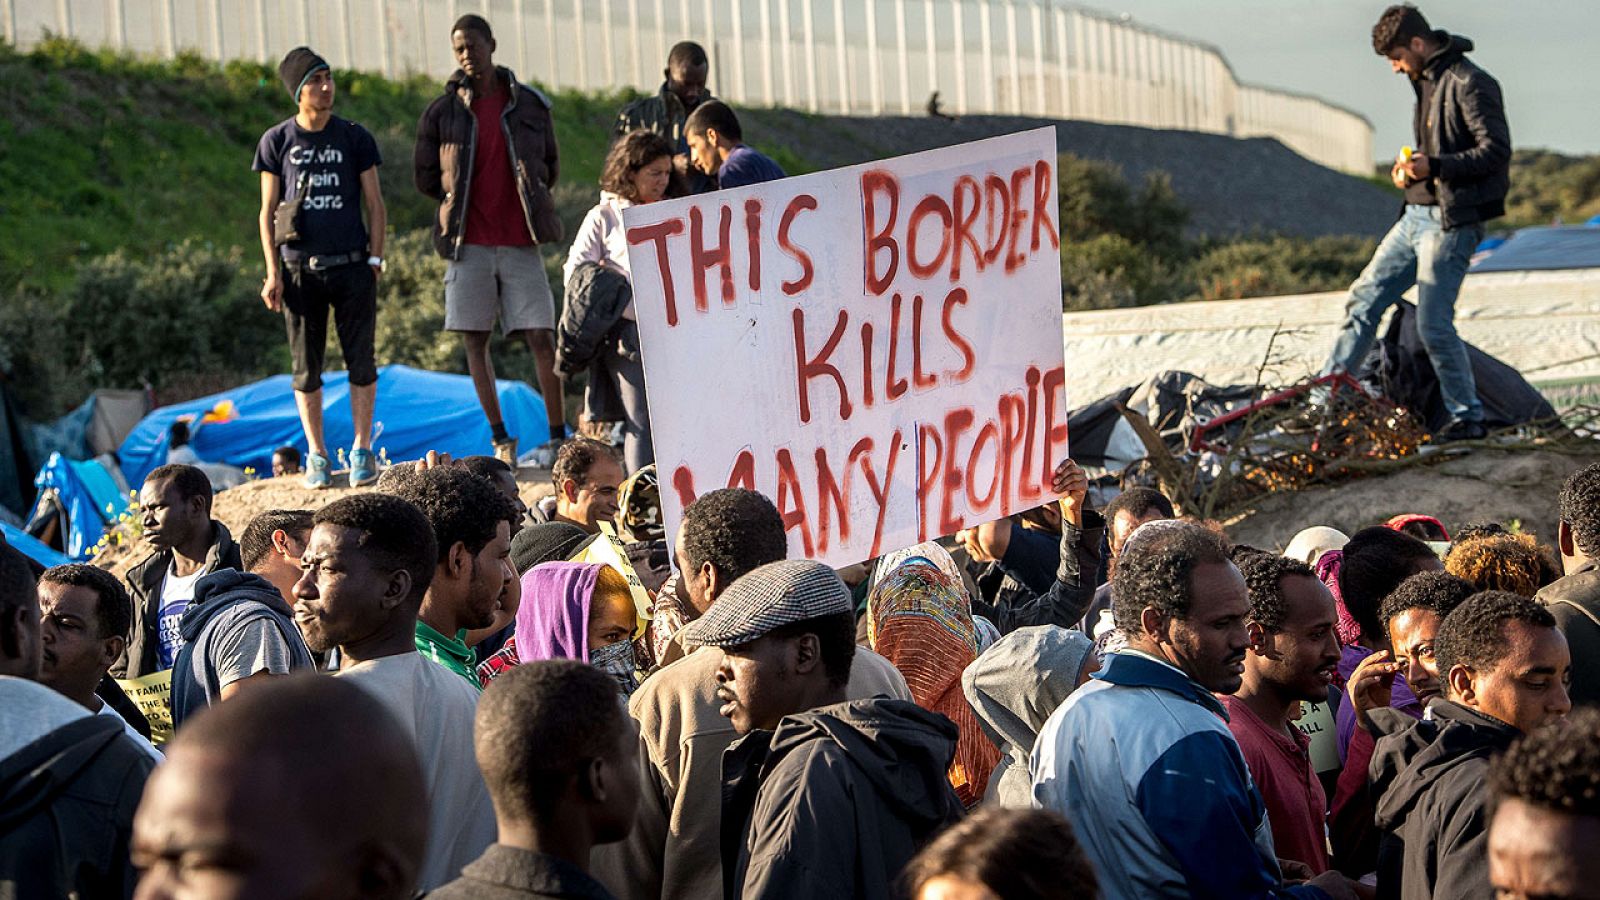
{"x":100,"y":152}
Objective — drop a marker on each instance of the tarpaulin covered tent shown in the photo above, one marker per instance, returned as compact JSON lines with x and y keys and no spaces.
{"x":76,"y":501}
{"x":417,"y":411}
{"x":1543,"y":249}
{"x":33,"y":548}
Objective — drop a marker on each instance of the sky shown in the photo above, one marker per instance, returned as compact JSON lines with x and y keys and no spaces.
{"x":1541,"y":51}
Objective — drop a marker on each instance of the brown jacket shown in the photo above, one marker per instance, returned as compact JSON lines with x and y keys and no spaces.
{"x":447,"y":137}
{"x":673,"y":852}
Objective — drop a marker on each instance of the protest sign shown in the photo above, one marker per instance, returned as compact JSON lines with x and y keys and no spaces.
{"x":153,"y":695}
{"x":876,"y":348}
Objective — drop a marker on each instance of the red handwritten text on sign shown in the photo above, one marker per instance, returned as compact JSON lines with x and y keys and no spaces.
{"x":877,"y":349}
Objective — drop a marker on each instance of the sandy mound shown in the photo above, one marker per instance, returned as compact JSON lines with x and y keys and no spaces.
{"x":1483,"y":486}
{"x":235,"y":508}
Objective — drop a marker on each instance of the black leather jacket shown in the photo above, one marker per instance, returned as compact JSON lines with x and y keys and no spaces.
{"x":1465,"y":127}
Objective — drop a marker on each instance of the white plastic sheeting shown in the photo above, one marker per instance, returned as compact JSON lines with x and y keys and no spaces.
{"x":1546,"y":324}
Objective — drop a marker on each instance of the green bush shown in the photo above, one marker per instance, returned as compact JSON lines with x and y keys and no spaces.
{"x":133,"y":320}
{"x":1110,"y":271}
{"x":1273,"y":266}
{"x":1096,"y":200}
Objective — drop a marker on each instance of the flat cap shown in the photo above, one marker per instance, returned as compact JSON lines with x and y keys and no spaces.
{"x":777,"y":594}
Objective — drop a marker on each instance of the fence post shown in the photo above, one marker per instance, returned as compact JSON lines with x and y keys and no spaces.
{"x":958,"y":10}
{"x":986,"y":36}
{"x":1013,"y":59}
{"x":605,"y":43}
{"x":844,"y":59}
{"x":932,"y":39}
{"x":787,"y":44}
{"x":1037,"y":15}
{"x":64,"y":18}
{"x":171,"y":25}
{"x":551,"y":42}
{"x":579,"y":43}
{"x":1063,"y":63}
{"x":635,"y":75}
{"x":905,"y":60}
{"x":811,"y":56}
{"x":736,"y":45}
{"x":386,"y":41}
{"x":874,"y":72}
{"x":661,"y":39}
{"x":767,"y":94}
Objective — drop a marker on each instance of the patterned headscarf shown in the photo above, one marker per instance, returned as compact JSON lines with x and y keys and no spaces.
{"x":921,"y":621}
{"x":1327,"y":569}
{"x":927,"y":552}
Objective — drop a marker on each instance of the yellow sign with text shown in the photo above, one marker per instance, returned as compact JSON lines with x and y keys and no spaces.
{"x":153,"y":695}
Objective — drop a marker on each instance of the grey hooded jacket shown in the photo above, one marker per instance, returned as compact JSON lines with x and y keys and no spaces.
{"x":1013,"y":688}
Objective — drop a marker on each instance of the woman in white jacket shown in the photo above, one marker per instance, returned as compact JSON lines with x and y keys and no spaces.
{"x":638,"y":170}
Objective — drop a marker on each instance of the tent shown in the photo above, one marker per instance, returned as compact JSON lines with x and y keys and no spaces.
{"x":77,"y":499}
{"x":417,"y":411}
{"x":1542,"y":249}
{"x":33,"y":548}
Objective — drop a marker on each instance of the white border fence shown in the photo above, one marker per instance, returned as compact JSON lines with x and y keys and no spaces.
{"x":1025,"y":57}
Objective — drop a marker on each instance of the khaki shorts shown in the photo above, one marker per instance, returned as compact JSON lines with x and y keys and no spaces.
{"x":508,"y":283}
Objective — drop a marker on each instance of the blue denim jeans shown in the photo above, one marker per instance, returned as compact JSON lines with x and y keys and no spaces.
{"x":1416,"y":251}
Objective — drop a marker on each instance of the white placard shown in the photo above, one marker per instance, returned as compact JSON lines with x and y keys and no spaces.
{"x":876,"y":348}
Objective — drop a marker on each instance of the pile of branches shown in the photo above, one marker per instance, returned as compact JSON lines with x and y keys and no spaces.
{"x":1316,"y":434}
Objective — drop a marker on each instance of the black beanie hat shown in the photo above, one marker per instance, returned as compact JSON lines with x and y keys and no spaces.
{"x":297,"y":67}
{"x":545,"y":542}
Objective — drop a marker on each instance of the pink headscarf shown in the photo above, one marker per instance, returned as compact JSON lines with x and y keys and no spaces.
{"x":553,"y":620}
{"x":1327,"y":569}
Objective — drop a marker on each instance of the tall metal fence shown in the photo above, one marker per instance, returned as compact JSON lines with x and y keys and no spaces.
{"x":1024,"y":57}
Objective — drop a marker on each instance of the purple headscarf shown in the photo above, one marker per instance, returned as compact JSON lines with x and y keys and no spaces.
{"x":553,"y":620}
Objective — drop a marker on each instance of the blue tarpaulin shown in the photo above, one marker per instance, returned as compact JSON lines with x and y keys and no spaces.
{"x":417,"y":411}
{"x":89,"y":497}
{"x":33,"y":548}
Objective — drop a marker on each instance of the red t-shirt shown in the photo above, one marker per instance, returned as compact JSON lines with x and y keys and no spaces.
{"x":1280,"y":765}
{"x":494,"y":212}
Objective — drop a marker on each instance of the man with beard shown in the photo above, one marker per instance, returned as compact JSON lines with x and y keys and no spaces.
{"x":471,"y":522}
{"x":1141,"y":759}
{"x":367,"y":567}
{"x":1293,"y":657}
{"x":175,"y":510}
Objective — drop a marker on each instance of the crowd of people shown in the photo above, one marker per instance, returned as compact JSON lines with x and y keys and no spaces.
{"x":429,"y":686}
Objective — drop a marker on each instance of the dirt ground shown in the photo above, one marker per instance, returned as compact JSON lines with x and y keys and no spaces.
{"x":235,"y":508}
{"x":1483,"y":486}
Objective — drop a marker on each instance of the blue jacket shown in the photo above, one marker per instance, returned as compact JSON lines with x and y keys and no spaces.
{"x":1141,"y":761}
